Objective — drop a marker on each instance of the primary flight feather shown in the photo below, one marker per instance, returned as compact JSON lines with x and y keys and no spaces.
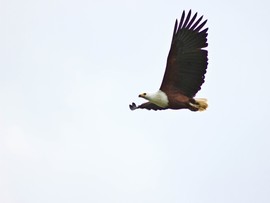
{"x":185,"y":70}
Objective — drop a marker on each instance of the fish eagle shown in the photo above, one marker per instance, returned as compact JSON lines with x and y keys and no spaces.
{"x":185,"y":69}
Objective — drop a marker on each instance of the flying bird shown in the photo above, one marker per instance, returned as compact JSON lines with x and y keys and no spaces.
{"x":185,"y":70}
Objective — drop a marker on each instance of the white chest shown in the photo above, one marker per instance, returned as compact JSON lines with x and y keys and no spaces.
{"x":159,"y":98}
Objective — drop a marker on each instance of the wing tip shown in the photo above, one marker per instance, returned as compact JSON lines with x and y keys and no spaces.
{"x":132,"y":106}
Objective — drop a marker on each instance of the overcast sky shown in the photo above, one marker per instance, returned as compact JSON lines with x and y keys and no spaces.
{"x":69,"y":69}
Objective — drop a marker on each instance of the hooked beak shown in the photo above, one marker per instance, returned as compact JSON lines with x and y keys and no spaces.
{"x":142,"y":95}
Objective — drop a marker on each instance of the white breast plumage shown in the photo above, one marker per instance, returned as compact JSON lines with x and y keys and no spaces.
{"x":159,"y":98}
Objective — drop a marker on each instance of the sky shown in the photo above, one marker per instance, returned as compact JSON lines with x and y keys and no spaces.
{"x":69,"y":70}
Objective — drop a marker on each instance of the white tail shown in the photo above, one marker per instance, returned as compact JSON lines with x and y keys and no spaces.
{"x":201,"y":104}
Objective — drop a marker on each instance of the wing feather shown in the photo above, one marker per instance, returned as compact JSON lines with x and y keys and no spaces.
{"x":146,"y":105}
{"x":187,"y":60}
{"x":187,"y":19}
{"x":181,"y":20}
{"x":191,"y":21}
{"x":197,"y":22}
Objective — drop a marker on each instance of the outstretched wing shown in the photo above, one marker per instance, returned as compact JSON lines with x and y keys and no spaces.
{"x":146,"y":105}
{"x":187,"y":61}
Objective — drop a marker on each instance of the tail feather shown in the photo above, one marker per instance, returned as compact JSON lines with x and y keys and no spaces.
{"x":200,"y":104}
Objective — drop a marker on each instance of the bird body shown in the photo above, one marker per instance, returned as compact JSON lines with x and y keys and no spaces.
{"x":186,"y":66}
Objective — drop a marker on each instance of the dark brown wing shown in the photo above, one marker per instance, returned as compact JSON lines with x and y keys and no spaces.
{"x":147,"y":105}
{"x":187,"y":61}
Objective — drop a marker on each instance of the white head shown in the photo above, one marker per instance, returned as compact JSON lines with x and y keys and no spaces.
{"x":146,"y":96}
{"x":159,"y":98}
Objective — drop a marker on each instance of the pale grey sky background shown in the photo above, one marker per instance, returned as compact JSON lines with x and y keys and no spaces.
{"x":69,"y":69}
